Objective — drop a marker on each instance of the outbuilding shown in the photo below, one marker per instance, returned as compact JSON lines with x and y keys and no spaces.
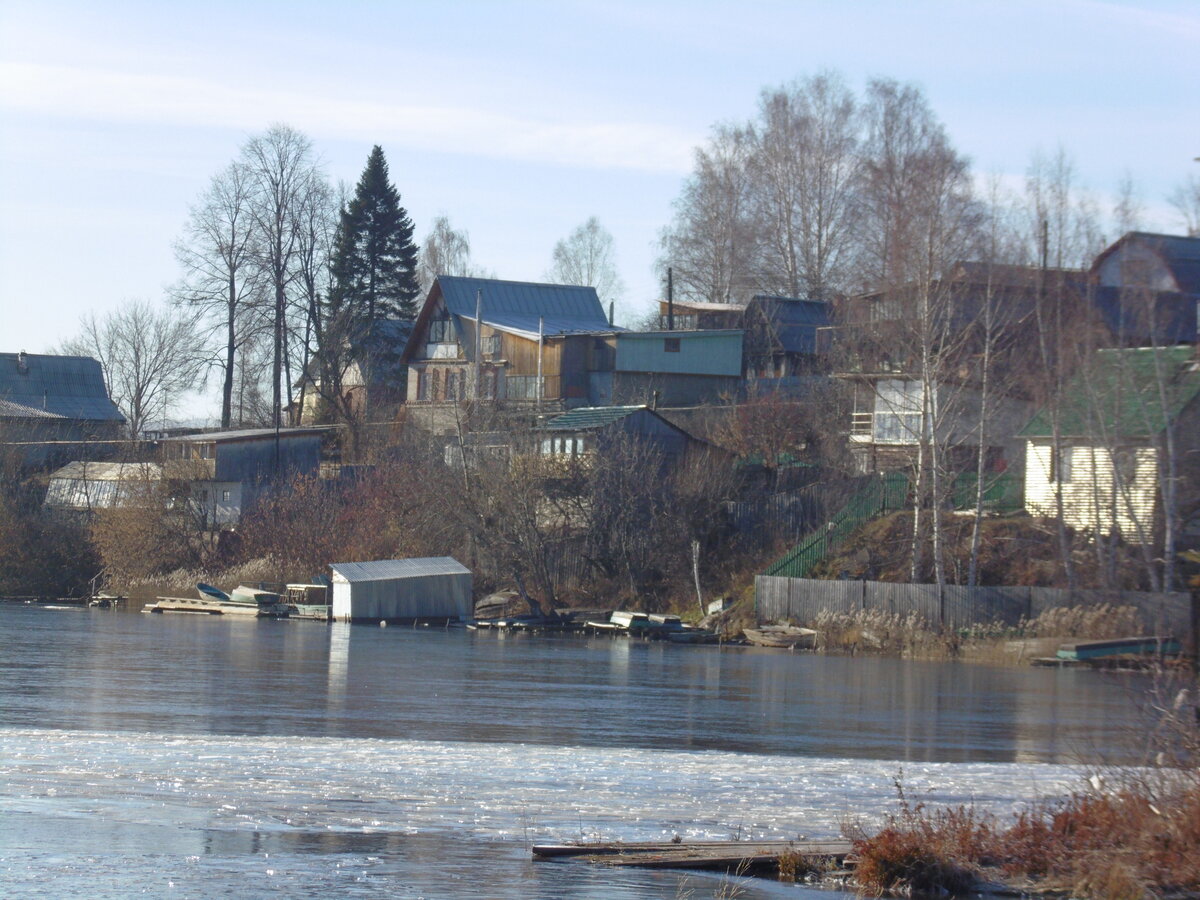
{"x":437,"y":587}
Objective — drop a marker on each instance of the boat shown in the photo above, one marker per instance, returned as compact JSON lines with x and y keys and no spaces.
{"x":105,"y":601}
{"x":309,"y":601}
{"x":208,"y":592}
{"x":789,"y":637}
{"x":1131,"y":646}
{"x":688,"y":635}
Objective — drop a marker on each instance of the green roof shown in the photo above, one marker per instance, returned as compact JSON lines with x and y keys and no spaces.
{"x":590,"y":417}
{"x":1120,"y":395}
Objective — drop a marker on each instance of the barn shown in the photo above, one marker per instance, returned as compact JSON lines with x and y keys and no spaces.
{"x":436,"y":587}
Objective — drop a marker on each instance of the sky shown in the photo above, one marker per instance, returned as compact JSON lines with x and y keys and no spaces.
{"x":520,"y":120}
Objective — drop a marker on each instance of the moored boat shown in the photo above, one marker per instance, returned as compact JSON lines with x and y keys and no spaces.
{"x":789,"y":637}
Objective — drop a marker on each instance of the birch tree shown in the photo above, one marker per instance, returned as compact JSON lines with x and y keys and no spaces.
{"x":218,"y":253}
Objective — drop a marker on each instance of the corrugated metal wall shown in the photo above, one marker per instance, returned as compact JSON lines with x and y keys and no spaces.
{"x":415,"y":597}
{"x":955,"y":606}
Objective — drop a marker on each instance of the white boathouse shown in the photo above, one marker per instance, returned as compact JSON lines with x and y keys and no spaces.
{"x":437,"y":587}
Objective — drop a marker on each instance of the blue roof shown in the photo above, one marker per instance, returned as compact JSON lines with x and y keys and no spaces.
{"x":518,"y":305}
{"x":41,"y":386}
{"x":795,"y":320}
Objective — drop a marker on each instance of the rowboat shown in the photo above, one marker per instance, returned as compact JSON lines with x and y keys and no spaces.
{"x":788,"y":637}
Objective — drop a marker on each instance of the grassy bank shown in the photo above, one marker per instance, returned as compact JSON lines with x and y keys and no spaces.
{"x":1131,"y":834}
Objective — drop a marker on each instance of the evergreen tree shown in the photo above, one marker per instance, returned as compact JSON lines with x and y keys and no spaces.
{"x":375,"y":258}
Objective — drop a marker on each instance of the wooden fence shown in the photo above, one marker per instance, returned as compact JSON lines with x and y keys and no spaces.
{"x":956,"y":606}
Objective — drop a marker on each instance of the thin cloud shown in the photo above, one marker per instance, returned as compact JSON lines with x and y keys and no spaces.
{"x":103,"y":95}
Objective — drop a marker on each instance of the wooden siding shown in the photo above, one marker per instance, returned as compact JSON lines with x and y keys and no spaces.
{"x":1092,"y":499}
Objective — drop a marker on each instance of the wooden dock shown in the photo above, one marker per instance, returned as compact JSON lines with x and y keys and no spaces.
{"x":731,"y":856}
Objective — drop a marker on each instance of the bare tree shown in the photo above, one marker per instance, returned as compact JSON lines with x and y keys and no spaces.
{"x":281,"y":167}
{"x":445,"y":251}
{"x":587,"y":257}
{"x":218,"y":254}
{"x":149,"y":358}
{"x":711,"y":244}
{"x":803,"y":170}
{"x":1186,"y":200}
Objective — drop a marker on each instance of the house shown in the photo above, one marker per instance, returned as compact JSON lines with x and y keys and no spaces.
{"x":676,"y":368}
{"x":51,"y":407}
{"x":587,"y":431}
{"x":1147,"y":289}
{"x":875,"y":350}
{"x":225,"y":471}
{"x":401,"y":590}
{"x":779,"y":333}
{"x":518,"y":342}
{"x":1106,"y":449}
{"x":781,"y":336}
{"x":687,"y":315}
{"x":84,"y":486}
{"x":375,"y":378}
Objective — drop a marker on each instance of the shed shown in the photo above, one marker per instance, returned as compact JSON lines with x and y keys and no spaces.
{"x":437,"y":587}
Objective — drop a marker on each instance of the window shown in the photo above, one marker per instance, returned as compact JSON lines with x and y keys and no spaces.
{"x":224,"y":496}
{"x":422,"y":385}
{"x":897,"y":411}
{"x":491,"y":345}
{"x":441,"y":331}
{"x":202,"y":495}
{"x":671,"y":345}
{"x":1060,"y":464}
{"x":1124,"y":464}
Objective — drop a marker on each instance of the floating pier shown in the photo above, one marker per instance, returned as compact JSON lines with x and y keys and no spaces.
{"x":732,"y":856}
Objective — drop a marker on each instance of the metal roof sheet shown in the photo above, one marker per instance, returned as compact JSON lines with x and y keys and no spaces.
{"x":590,"y":417}
{"x":86,"y":470}
{"x":248,"y":434}
{"x":523,"y":301}
{"x":68,"y":386}
{"x":1120,"y":396}
{"x":388,"y":569}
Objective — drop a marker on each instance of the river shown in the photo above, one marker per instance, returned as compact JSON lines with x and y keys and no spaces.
{"x":195,"y":756}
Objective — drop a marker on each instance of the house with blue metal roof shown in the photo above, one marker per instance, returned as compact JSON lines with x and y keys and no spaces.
{"x":522,"y":342}
{"x":52,"y":406}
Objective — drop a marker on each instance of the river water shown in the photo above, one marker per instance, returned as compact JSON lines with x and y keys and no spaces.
{"x":191,"y":756}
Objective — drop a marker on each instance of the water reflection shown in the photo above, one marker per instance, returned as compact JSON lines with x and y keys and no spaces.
{"x":209,"y":675}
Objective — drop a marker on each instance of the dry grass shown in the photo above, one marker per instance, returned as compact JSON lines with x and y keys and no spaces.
{"x":876,"y":631}
{"x":1138,"y":839}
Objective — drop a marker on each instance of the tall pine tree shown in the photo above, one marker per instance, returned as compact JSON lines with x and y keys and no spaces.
{"x":375,"y":258}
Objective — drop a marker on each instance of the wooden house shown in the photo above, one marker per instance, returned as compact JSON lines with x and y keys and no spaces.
{"x":223,"y":472}
{"x":518,"y":342}
{"x":588,"y":431}
{"x":374,"y":380}
{"x":676,"y":368}
{"x":55,"y":408}
{"x":686,"y":315}
{"x":1127,"y":423}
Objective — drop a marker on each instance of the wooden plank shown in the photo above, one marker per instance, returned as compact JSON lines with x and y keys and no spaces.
{"x":732,"y":855}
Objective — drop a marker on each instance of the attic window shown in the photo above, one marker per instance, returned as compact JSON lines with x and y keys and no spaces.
{"x":671,"y":345}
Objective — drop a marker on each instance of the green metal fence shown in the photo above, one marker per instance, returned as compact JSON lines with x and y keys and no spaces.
{"x":888,"y":493}
{"x":884,"y":494}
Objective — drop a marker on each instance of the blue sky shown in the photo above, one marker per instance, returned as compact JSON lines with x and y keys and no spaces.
{"x":521,"y":120}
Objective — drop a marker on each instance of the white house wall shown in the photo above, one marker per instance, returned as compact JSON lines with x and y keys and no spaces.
{"x":416,"y":597}
{"x":1091,"y":499}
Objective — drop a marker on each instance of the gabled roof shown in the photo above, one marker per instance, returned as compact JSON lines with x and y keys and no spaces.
{"x":514,"y":307}
{"x":43,"y":386}
{"x":389,"y":569}
{"x":1181,"y":255}
{"x":1127,"y":316}
{"x":594,"y":418}
{"x":1120,"y":395}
